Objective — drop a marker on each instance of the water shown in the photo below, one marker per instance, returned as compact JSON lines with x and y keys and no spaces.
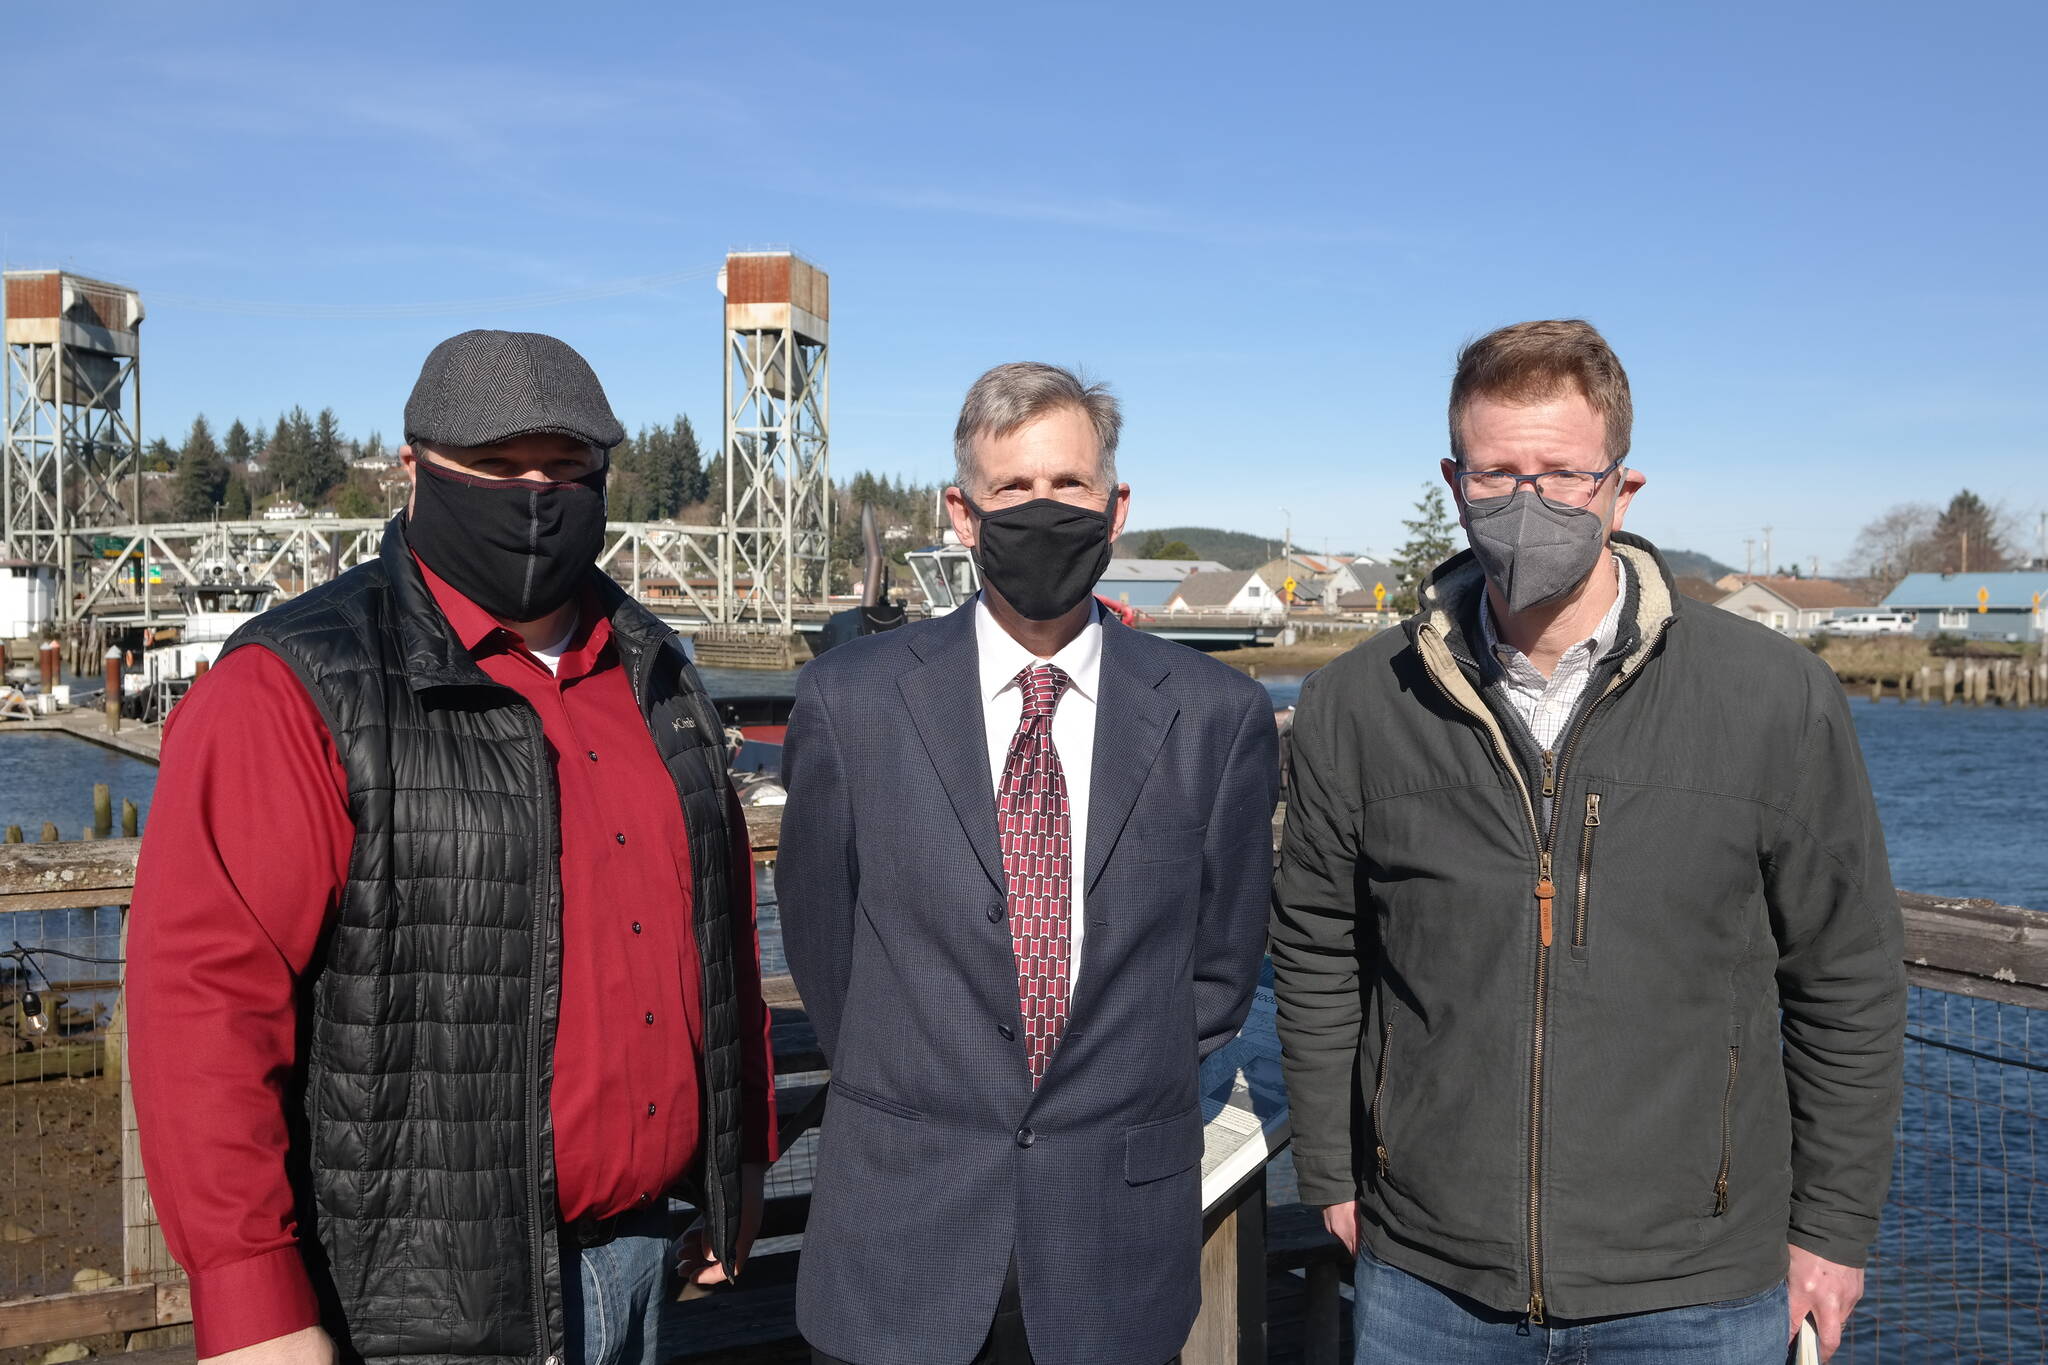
{"x":49,"y":776}
{"x":1962,"y":792}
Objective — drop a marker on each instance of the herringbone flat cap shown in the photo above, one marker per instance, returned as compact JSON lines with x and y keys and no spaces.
{"x":482,"y":387}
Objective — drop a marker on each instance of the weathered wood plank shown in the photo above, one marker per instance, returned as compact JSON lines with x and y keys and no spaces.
{"x":59,"y":1317}
{"x":1977,"y":987}
{"x":1977,"y":938}
{"x":97,"y":865}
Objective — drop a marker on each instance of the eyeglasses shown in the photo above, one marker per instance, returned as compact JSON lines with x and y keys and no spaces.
{"x":1565,"y":487}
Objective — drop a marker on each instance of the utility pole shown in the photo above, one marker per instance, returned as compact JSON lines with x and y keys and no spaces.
{"x":1770,"y":564}
{"x":1966,"y":552}
{"x":1748,"y":556}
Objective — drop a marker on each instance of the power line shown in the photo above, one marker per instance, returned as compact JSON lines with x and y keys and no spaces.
{"x":354,"y":312}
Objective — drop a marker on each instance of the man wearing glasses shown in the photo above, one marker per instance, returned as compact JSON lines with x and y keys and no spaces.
{"x":1586,"y":949}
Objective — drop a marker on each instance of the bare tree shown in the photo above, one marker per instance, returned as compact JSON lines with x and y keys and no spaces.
{"x":1897,"y":543}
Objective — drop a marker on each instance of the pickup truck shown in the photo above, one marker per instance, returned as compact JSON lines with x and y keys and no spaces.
{"x":1869,"y":623}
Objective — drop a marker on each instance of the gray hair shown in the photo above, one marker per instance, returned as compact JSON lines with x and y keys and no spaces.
{"x":1015,"y":395}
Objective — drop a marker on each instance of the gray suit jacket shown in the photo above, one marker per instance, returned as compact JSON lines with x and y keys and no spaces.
{"x":938,"y":1161}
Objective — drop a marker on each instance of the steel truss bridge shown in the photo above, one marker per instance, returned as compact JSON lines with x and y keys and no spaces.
{"x":132,"y":574}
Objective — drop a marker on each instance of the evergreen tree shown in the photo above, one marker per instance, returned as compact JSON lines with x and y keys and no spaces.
{"x":330,"y":452}
{"x":373,"y":449}
{"x":302,"y":469}
{"x":691,"y":483}
{"x":622,"y":485}
{"x":158,"y":457}
{"x":235,"y":502}
{"x":714,"y":485}
{"x":1429,"y":544}
{"x":355,"y":499}
{"x":1171,"y":549}
{"x":202,"y":475}
{"x":1967,"y":537}
{"x":238,"y":447}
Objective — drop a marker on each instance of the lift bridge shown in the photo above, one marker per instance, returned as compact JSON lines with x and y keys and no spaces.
{"x":71,"y":477}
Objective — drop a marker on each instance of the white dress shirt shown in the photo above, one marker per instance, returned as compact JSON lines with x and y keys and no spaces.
{"x":1073,"y":732}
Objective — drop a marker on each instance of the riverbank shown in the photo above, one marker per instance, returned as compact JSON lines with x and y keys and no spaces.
{"x":1306,"y":657}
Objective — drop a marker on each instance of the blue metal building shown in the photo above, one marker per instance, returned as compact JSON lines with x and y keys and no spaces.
{"x":1978,"y":606}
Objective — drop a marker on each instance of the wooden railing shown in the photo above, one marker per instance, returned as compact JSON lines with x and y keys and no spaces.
{"x":1971,"y":948}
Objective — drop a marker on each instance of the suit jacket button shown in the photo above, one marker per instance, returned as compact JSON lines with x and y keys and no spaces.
{"x":995,"y":912}
{"x":1009,"y":1036}
{"x":1025,"y":1137}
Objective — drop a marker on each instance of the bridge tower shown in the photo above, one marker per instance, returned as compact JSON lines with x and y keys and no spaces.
{"x":72,"y":452}
{"x":778,"y":490}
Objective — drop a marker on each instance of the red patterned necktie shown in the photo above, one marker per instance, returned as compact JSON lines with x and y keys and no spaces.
{"x":1038,"y":860}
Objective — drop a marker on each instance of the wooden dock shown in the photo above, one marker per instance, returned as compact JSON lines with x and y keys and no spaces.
{"x":88,"y":723}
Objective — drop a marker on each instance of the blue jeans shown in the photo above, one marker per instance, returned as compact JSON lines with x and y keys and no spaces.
{"x":1402,"y":1320}
{"x":612,"y":1295}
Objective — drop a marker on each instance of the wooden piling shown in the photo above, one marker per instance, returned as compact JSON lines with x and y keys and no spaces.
{"x":1905,"y":681}
{"x":131,"y":819}
{"x":112,"y":671}
{"x":1948,"y":682}
{"x":14,"y":834}
{"x":102,"y":811}
{"x":49,"y":831}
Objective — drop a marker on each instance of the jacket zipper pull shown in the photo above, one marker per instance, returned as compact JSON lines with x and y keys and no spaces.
{"x":1534,"y":1312}
{"x":1720,"y":1195}
{"x":1592,"y":810}
{"x":1382,"y":1154}
{"x":1546,"y":896}
{"x":1549,"y":773}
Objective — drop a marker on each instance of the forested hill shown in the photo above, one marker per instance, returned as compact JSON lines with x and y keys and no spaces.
{"x":1691,"y":564}
{"x":1232,"y":549}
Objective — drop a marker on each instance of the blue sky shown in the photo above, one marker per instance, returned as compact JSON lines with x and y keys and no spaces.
{"x":1815,"y":233}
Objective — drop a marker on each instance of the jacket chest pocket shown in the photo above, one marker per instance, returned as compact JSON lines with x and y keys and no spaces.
{"x":1582,"y":915}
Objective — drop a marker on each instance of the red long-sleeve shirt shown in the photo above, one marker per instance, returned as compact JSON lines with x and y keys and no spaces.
{"x":242,"y":867}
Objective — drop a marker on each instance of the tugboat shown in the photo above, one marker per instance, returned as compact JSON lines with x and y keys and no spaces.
{"x":215,"y":607}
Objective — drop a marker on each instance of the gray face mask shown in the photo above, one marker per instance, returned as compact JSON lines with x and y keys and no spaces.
{"x":1534,"y":551}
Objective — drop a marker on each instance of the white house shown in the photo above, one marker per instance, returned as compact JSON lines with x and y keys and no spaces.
{"x":1358,"y":576}
{"x":1224,"y":591}
{"x":1792,"y":606}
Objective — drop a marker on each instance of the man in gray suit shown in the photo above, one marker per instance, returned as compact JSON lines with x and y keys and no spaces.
{"x":1023,"y":874}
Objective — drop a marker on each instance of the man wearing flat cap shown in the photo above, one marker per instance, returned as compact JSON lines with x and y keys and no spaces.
{"x":443,"y":974}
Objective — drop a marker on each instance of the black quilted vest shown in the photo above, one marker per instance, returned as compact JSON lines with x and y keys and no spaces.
{"x":425,"y":1156}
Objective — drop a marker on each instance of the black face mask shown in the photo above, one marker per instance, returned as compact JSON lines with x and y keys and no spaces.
{"x":516,"y":548}
{"x":1044,"y":556}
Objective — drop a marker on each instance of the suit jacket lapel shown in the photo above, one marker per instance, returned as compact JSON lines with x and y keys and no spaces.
{"x":1131,"y":720}
{"x":944,"y":699}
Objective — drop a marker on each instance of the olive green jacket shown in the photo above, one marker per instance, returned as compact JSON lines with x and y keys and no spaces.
{"x":1548,"y":1056}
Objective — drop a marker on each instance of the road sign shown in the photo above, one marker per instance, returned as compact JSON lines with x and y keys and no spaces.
{"x":1289,"y":587}
{"x":1983,"y":600}
{"x":1379,"y":596}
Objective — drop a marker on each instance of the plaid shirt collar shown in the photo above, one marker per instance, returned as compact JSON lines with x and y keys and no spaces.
{"x":1547,"y":703}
